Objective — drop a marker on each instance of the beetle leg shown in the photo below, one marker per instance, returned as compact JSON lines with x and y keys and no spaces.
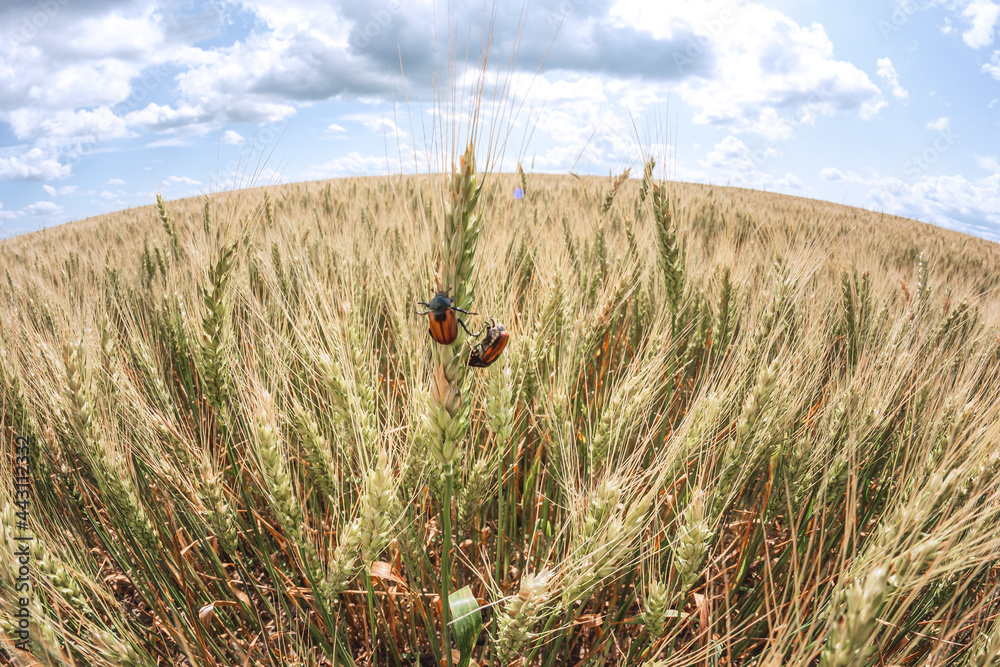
{"x":467,"y":329}
{"x":461,"y":311}
{"x":426,"y":312}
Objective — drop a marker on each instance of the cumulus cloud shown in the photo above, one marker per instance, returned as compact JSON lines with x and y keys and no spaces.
{"x":942,"y":124}
{"x":375,"y":123}
{"x":887,"y":72}
{"x":252,"y":81}
{"x":585,"y":119}
{"x":988,"y":163}
{"x":355,"y":163}
{"x":114,"y":181}
{"x":170,"y":141}
{"x":59,"y":192}
{"x":81,"y":73}
{"x":832,"y":174}
{"x":952,"y":201}
{"x":161,"y":117}
{"x":769,"y":73}
{"x":583,"y":36}
{"x":103,"y":71}
{"x":982,"y":16}
{"x":42,"y":208}
{"x":33,"y":165}
{"x":117,"y":55}
{"x":742,"y":166}
{"x":61,"y":128}
{"x":350,"y":164}
{"x":232,"y":138}
{"x":993,"y":68}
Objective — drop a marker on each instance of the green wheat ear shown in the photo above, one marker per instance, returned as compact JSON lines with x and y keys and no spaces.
{"x":206,"y":220}
{"x":671,"y":257}
{"x":216,"y":332}
{"x":447,"y":417}
{"x":521,"y":613}
{"x":655,"y":609}
{"x":168,"y":226}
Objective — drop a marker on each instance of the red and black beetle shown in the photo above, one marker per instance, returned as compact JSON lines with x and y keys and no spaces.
{"x":490,"y":346}
{"x":443,"y":321}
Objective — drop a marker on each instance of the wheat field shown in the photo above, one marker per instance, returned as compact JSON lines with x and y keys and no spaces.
{"x":729,"y":428}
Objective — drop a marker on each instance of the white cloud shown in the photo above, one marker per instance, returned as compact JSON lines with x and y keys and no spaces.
{"x":170,"y":141}
{"x":159,"y":117}
{"x":376,"y":123}
{"x":232,"y":138}
{"x":942,"y":124}
{"x":250,"y":81}
{"x":333,"y":127}
{"x":42,"y":208}
{"x":114,"y":181}
{"x":584,"y":122}
{"x":982,"y":16}
{"x":979,"y":16}
{"x":887,"y":72}
{"x":971,"y":206}
{"x":61,"y":192}
{"x":34,"y":165}
{"x":993,"y":68}
{"x":59,"y":84}
{"x":832,"y":174}
{"x":184,"y":180}
{"x":238,"y":180}
{"x":8,"y":215}
{"x":739,"y":165}
{"x":38,"y":80}
{"x":988,"y":163}
{"x":65,"y":127}
{"x":353,"y":164}
{"x":770,"y":74}
{"x":732,"y":154}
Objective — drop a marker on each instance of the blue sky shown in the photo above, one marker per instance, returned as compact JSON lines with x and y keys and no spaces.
{"x":892,"y":105}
